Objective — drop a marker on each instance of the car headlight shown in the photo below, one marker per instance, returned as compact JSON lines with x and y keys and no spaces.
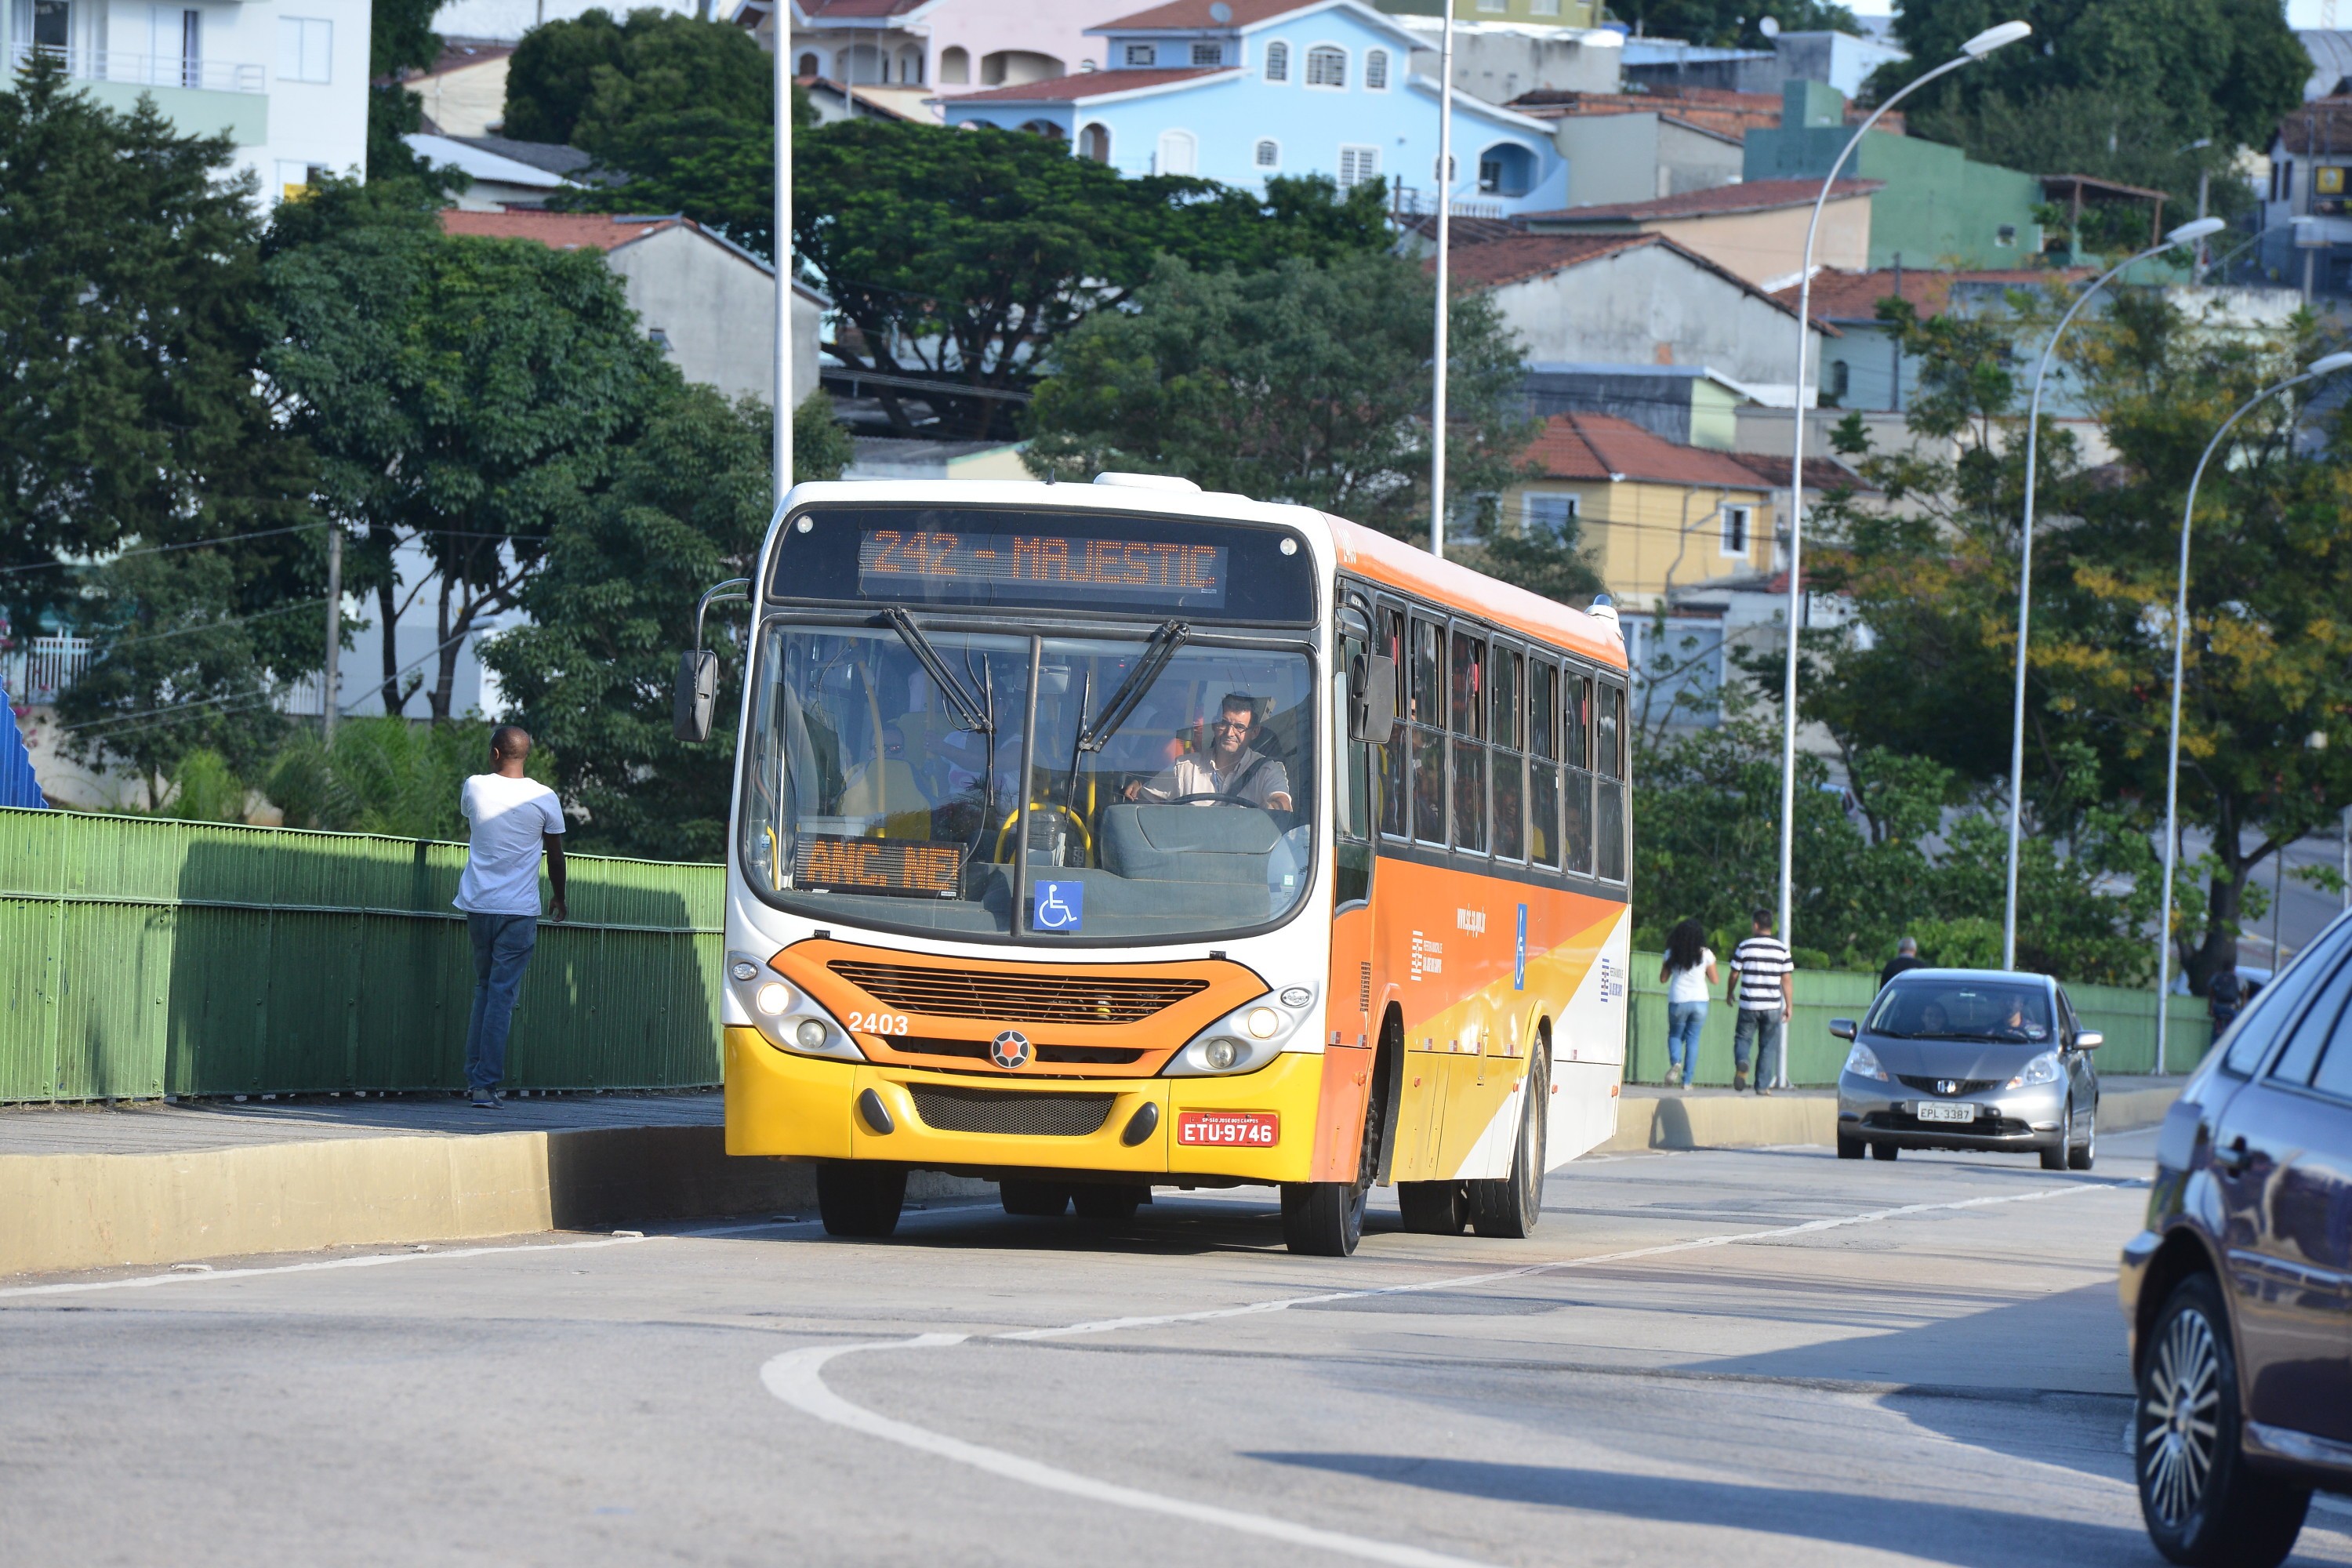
{"x":2044,"y":1068}
{"x":1863,"y":1062}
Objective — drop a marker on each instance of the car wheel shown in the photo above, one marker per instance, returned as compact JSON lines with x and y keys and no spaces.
{"x":1511,"y":1207}
{"x":2203,"y":1504}
{"x":1114,"y":1203}
{"x":2080,"y":1156}
{"x":1849,"y":1148}
{"x":860,"y":1199}
{"x":2055,"y":1155}
{"x":1434,"y":1209}
{"x":1884,"y":1150}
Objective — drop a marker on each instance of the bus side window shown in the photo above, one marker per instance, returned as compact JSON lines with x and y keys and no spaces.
{"x":1428,"y":731}
{"x":1353,"y":792}
{"x":1576,"y":784}
{"x":1469,"y":715}
{"x":1396,"y":777}
{"x":1505,"y":670}
{"x":1543,"y":762}
{"x":1609,"y":760}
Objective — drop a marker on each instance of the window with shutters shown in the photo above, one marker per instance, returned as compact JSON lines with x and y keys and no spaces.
{"x":1326,"y":66}
{"x":1376,"y":70}
{"x":1178,"y":152}
{"x":1278,"y":62}
{"x":1359,"y":165}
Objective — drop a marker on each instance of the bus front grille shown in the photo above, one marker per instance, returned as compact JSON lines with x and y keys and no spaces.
{"x":1018,"y":998}
{"x":977,"y":1051}
{"x":1019,"y":1113}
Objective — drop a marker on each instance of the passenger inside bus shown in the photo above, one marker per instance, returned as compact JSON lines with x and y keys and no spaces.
{"x":1231,"y":768}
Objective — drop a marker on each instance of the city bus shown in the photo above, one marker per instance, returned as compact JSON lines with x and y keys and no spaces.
{"x":1094,"y":838}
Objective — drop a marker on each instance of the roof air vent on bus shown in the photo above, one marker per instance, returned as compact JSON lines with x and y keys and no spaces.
{"x":1149,"y":482}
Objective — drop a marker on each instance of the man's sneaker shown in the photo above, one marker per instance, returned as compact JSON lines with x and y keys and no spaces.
{"x":484,"y":1101}
{"x":1738,"y":1083}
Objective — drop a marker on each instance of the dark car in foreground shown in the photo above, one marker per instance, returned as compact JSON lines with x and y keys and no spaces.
{"x":2238,"y":1294}
{"x":1970,"y":1058}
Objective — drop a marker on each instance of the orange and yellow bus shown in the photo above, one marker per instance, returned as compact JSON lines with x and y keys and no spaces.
{"x":1095,"y":838}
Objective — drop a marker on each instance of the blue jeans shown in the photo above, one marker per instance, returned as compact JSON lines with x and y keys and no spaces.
{"x":1764,"y":1028}
{"x":1683,"y":1021}
{"x":502,"y":945}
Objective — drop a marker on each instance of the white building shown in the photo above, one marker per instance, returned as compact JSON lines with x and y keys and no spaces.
{"x":285,"y":80}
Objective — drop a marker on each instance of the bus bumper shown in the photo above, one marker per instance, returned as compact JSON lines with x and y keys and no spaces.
{"x":780,"y":1104}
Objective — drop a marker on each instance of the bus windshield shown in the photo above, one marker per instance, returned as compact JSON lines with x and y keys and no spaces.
{"x":1170,"y":780}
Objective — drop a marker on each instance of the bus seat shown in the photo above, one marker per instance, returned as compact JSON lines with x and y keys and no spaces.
{"x":1187,"y":843}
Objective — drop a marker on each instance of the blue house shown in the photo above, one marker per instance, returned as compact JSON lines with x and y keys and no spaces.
{"x":1241,"y":90}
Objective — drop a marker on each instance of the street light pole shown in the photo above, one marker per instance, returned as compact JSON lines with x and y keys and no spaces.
{"x":1444,"y":212}
{"x":2327,"y":365}
{"x":780,"y":22}
{"x":1975,"y":49}
{"x":2184,"y":235}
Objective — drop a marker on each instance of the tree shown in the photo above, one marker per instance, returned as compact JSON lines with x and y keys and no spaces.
{"x":2115,"y":88}
{"x":464,"y":396}
{"x":1733,"y":24}
{"x":591,"y":673}
{"x":591,"y":80}
{"x":129,"y":288}
{"x":1304,"y":382}
{"x":400,"y":39}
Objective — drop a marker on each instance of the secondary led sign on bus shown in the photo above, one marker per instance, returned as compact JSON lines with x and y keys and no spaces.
{"x":1078,"y":570}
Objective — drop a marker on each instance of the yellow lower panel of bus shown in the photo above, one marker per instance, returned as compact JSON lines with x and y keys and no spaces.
{"x":783,"y":1104}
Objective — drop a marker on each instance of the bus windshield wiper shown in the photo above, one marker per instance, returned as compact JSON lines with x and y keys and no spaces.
{"x":1122,"y":704}
{"x":975,"y":717}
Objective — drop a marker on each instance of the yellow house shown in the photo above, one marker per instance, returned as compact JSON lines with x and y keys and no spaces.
{"x":1653,"y":515}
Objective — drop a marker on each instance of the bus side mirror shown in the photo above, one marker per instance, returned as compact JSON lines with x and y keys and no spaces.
{"x":1371,"y":699}
{"x":1842,"y":1028}
{"x":698,"y":694}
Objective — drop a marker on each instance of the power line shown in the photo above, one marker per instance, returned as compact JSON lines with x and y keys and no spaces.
{"x":160,"y":549}
{"x":108,"y":644}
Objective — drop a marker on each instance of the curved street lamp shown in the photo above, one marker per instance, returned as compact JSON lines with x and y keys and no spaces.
{"x":2186,"y":234}
{"x":1975,"y":49}
{"x":2327,"y":364}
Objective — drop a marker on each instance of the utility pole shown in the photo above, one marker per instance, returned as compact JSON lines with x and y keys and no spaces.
{"x":1445,"y":235}
{"x":330,"y":691}
{"x":780,"y":28}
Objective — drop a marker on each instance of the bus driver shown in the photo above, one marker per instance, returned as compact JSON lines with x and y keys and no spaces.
{"x":1231,"y":768}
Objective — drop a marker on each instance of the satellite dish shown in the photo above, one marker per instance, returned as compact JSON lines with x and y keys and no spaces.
{"x":1221,"y":12}
{"x":1770,"y":26}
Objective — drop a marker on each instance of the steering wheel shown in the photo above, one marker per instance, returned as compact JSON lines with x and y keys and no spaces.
{"x":1208,"y":795}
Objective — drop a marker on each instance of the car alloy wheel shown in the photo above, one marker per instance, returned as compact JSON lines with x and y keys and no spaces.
{"x":2179,"y":1418}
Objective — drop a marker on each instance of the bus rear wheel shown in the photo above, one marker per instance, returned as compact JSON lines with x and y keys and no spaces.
{"x":1434,"y":1209}
{"x":1511,"y":1207}
{"x":860,"y":1199}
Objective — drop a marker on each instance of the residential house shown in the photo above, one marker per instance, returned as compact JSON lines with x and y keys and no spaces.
{"x":1840,"y":60}
{"x":1938,"y":208}
{"x":463,"y":93}
{"x":2330,"y":49}
{"x":2305,"y":226}
{"x":1755,"y":230}
{"x":506,"y":21}
{"x":286,"y":80}
{"x":710,"y":304}
{"x":506,"y":174}
{"x":1634,"y":299}
{"x":1241,"y":90}
{"x":1564,"y":16}
{"x":1865,"y":368}
{"x":1498,"y":61}
{"x":831,"y":101}
{"x":947,"y":45}
{"x":1688,"y":405}
{"x":1660,"y":142}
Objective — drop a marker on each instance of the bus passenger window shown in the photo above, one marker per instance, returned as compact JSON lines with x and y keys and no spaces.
{"x":1394,"y":775}
{"x":1352,"y":821}
{"x":1543,"y":766}
{"x":1428,"y":736}
{"x":1609,"y":789}
{"x":1505,"y":670}
{"x":1469,"y":672}
{"x":1576,"y":781}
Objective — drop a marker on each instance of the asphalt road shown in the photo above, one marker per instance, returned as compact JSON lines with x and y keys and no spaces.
{"x":1757,"y":1356}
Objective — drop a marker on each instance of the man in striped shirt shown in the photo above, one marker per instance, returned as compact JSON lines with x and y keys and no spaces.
{"x":1760,"y":970}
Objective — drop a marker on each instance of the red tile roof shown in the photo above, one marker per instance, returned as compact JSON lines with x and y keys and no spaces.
{"x":1755,"y":196}
{"x":1191,"y":14}
{"x":1714,"y":110}
{"x":558,"y":231}
{"x":1855,"y":296}
{"x":1089,"y":84}
{"x":1603,"y":447}
{"x":1821,"y":473}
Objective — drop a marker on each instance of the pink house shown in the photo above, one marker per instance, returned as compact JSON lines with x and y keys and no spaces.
{"x":938,"y":44}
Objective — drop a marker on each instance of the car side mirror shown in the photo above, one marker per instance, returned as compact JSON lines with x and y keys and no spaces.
{"x":2089,"y":1040}
{"x":1842,"y":1029}
{"x":1371,"y":699}
{"x":697,"y":695}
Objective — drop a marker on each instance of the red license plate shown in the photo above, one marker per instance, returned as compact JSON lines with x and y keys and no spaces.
{"x":1229,"y":1129}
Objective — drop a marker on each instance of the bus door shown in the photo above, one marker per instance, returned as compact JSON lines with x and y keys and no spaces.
{"x":1349,"y":1039}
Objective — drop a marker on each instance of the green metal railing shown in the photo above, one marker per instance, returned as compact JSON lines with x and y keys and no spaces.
{"x":141,"y":957}
{"x":2128,"y":1018}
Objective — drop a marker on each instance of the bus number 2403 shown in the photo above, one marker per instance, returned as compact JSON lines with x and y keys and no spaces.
{"x":878,"y":1022}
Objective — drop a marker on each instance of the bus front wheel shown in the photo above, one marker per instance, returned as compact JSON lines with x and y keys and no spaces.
{"x":860,"y":1199}
{"x":1325,"y":1219}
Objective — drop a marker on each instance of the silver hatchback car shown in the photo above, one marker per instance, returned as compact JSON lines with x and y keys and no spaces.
{"x":1970,"y":1058}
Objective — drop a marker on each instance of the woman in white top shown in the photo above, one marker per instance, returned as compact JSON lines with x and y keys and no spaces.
{"x":1688,"y":976}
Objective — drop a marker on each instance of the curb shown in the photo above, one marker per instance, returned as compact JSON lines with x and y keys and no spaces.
{"x":103,"y":1211}
{"x":1748,"y":1121}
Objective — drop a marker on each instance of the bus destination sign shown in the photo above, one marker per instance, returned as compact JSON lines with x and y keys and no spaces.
{"x":890,"y":561}
{"x":827,"y":862}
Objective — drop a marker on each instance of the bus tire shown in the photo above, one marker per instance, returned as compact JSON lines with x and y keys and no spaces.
{"x":1034,"y":1200}
{"x":1325,"y":1219}
{"x":1112,"y":1203}
{"x":1512,"y":1206}
{"x":859,"y":1198}
{"x":1434,"y":1209}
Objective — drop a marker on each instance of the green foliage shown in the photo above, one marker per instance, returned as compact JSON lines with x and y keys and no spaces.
{"x":821,"y":446}
{"x":2115,"y":88}
{"x":387,"y":775}
{"x":592,"y":81}
{"x":590,"y":675}
{"x":1309,"y":383}
{"x":1732,"y":24}
{"x":1552,"y":559}
{"x":206,"y":789}
{"x":465,"y":394}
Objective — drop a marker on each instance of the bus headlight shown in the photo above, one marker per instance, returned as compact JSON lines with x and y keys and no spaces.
{"x":809,"y":1034}
{"x":786,"y":1017}
{"x":773,"y":998}
{"x":1221,"y":1053}
{"x":1243,"y":1040}
{"x":1262,"y":1023}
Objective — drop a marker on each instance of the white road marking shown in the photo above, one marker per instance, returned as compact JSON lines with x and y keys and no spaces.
{"x":796,"y":1378}
{"x":370,"y":1260}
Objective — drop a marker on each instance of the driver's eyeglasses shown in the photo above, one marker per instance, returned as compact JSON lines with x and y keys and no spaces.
{"x":1232,"y":723}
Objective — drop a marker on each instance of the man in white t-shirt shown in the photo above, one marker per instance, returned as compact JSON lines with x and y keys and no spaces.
{"x":514,"y":819}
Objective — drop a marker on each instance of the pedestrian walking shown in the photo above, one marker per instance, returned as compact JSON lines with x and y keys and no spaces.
{"x":1760,"y":973}
{"x":513,"y":820}
{"x":1907,"y":957}
{"x":2224,"y":995}
{"x":1688,"y":974}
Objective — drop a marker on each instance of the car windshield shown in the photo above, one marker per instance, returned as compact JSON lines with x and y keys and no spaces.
{"x":1996,"y":1011}
{"x":1168,"y":781}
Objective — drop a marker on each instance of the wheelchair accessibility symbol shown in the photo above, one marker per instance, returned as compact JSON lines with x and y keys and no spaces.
{"x":1059,"y":906}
